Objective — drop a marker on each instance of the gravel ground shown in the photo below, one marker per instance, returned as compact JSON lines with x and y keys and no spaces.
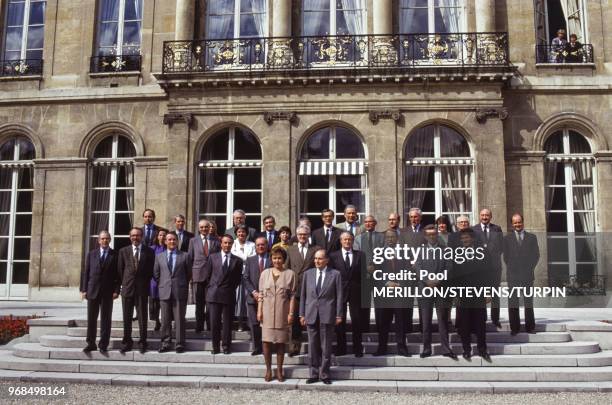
{"x":94,"y":394}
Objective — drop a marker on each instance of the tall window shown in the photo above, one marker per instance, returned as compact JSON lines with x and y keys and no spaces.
{"x":439,"y":174}
{"x":332,"y":174}
{"x":429,"y":16}
{"x":570,"y":207}
{"x":24,"y":35}
{"x":552,"y":15}
{"x":230,"y":177}
{"x":119,"y":27}
{"x":334,"y":17}
{"x":112,"y":190}
{"x":227,"y":19}
{"x":16,"y":190}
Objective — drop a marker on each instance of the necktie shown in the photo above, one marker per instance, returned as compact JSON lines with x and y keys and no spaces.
{"x":369,"y":247}
{"x":206,"y":247}
{"x":486,"y":229}
{"x":319,"y":281}
{"x":350,"y":229}
{"x":519,"y":238}
{"x":136,"y":259}
{"x":261,"y":264}
{"x":270,"y":240}
{"x":148,"y":237}
{"x":103,"y":257}
{"x":347,"y":261}
{"x":303,"y":251}
{"x":328,"y":235}
{"x":226,"y":264}
{"x":180,"y":235}
{"x":170,"y":263}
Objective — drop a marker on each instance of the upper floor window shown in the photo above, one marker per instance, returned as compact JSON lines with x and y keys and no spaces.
{"x":334,"y":17}
{"x":23,"y":37}
{"x":429,"y":16}
{"x":227,"y":19}
{"x":554,"y":15}
{"x":119,"y":27}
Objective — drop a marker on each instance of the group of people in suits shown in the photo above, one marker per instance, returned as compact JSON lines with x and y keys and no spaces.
{"x":310,"y":280}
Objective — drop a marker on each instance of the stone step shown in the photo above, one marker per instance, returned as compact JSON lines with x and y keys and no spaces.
{"x":8,"y":361}
{"x":369,"y":347}
{"x":493,"y":337}
{"x":36,"y":351}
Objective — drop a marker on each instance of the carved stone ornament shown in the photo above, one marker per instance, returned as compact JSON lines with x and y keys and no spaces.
{"x":271,"y":116}
{"x":376,"y":115}
{"x":171,"y":118}
{"x":482,"y":115}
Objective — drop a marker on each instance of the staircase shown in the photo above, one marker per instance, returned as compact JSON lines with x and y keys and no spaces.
{"x":547,"y":361}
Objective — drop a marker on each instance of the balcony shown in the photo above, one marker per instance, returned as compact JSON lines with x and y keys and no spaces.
{"x":21,"y":67}
{"x":549,"y":54}
{"x":115,"y":63}
{"x":345,"y":57}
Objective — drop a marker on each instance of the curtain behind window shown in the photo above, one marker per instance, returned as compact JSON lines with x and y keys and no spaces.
{"x":451,"y":16}
{"x":353,"y":12}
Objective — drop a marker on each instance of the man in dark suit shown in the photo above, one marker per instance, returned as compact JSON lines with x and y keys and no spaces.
{"x":433,"y":263}
{"x":149,"y":229}
{"x":223,"y":276}
{"x":352,"y":265}
{"x":272,"y":235}
{"x":521,"y":255}
{"x":300,"y":257}
{"x":255,"y":265}
{"x":414,"y":218}
{"x":351,"y":223}
{"x":367,"y":241}
{"x":172,"y":272}
{"x":239,"y":218}
{"x":328,"y":237}
{"x":100,"y":285}
{"x":135,"y":270}
{"x":200,"y":249}
{"x":183,"y":236}
{"x":303,"y":220}
{"x":321,"y":307}
{"x":491,"y":237}
{"x":394,"y":221}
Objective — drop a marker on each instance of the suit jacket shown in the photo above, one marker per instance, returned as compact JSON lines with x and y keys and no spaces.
{"x":154,"y":234}
{"x":494,"y":245}
{"x":197,"y":257}
{"x":356,"y":231}
{"x":409,"y":237}
{"x":351,"y":276}
{"x":136,"y":281}
{"x":319,"y":239}
{"x":522,"y":259}
{"x":100,"y":279}
{"x":250,"y":277}
{"x":361,"y":243}
{"x":184,"y":245}
{"x":408,"y":228}
{"x":172,"y":285}
{"x":250,"y":235}
{"x":328,"y":304}
{"x":264,"y":234}
{"x":432,"y":264}
{"x":222,"y":284}
{"x":296,"y":262}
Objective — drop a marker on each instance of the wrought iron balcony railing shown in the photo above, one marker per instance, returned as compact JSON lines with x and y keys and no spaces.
{"x":564,"y":54}
{"x":115,"y":63}
{"x":403,"y":51}
{"x":21,"y":67}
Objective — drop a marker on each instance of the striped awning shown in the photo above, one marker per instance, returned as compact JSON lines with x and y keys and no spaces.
{"x":569,"y":158}
{"x":16,"y":165}
{"x":354,"y":167}
{"x":228,"y":164}
{"x":440,"y":162}
{"x":114,"y":162}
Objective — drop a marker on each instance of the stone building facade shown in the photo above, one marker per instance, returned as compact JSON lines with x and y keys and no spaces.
{"x":285,"y":106}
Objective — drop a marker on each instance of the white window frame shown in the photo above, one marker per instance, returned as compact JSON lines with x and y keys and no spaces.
{"x":114,"y":162}
{"x":120,"y":27}
{"x":333,"y":29}
{"x":232,"y":166}
{"x":583,"y":38}
{"x":237,"y":14}
{"x":24,"y":32}
{"x":15,"y":291}
{"x":431,"y":16}
{"x":569,"y":210}
{"x":333,"y":202}
{"x":435,"y":162}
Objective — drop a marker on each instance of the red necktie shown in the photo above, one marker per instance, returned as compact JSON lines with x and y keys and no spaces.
{"x":261,"y":264}
{"x":206,"y":247}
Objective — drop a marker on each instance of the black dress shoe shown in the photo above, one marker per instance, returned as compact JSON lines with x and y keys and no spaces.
{"x":514,"y":332}
{"x":227,"y":351}
{"x":157,"y":326}
{"x":125,"y":349}
{"x":294,"y":353}
{"x":180,"y":349}
{"x":256,"y":352}
{"x":142,"y":348}
{"x":467,"y":356}
{"x":380,"y":352}
{"x":89,"y":348}
{"x":424,"y":355}
{"x":451,"y":355}
{"x":164,"y":348}
{"x":485,"y":356}
{"x":359,"y":354}
{"x":312,"y":380}
{"x":326,"y":381}
{"x":531,"y":331}
{"x":403,"y":351}
{"x":215,"y":351}
{"x":103,"y":351}
{"x":339,"y":353}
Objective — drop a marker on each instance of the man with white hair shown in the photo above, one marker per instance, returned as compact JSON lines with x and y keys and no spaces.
{"x":239,"y":218}
{"x":415,"y":215}
{"x":351,"y":223}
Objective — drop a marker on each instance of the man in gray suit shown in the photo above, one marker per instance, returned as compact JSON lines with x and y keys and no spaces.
{"x":351,"y":223}
{"x":255,"y":265}
{"x":321,"y":310}
{"x":172,"y":272}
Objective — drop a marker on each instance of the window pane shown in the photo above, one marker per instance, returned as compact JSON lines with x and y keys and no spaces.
{"x":558,"y":198}
{"x":582,"y":172}
{"x":585,"y":273}
{"x":5,"y":201}
{"x":558,"y":274}
{"x":101,"y":176}
{"x":456,"y":201}
{"x":348,"y":182}
{"x":7,"y":150}
{"x":317,"y":145}
{"x":123,"y":224}
{"x":586,"y":249}
{"x":3,"y":267}
{"x":246,"y":146}
{"x":555,"y":173}
{"x":423,"y":199}
{"x":13,"y":39}
{"x":34,"y":54}
{"x":578,"y":143}
{"x":344,"y":198}
{"x":317,"y":182}
{"x":414,"y":21}
{"x":100,"y":200}
{"x":314,"y":201}
{"x":253,"y":221}
{"x":557,"y":250}
{"x":452,"y":143}
{"x":316,"y":23}
{"x":125,"y":200}
{"x":348,"y":145}
{"x":584,"y":222}
{"x":249,"y":202}
{"x":24,"y":201}
{"x":26,"y":149}
{"x":556,"y":222}
{"x":220,"y":26}
{"x":109,"y":10}
{"x":221,"y":6}
{"x":583,"y":198}
{"x":248,"y":27}
{"x":419,"y":176}
{"x":257,"y":6}
{"x":37,"y":12}
{"x":22,"y":249}
{"x":24,"y":178}
{"x":35,"y":37}
{"x":216,"y":148}
{"x":125,"y":176}
{"x":15,"y":14}
{"x":420,"y":143}
{"x":118,"y":243}
{"x":349,"y":23}
{"x":213,"y":179}
{"x":247,"y":179}
{"x":6,"y":178}
{"x":133,"y":9}
{"x":104,"y":149}
{"x":108,"y":34}
{"x":4,"y":224}
{"x":213,"y":202}
{"x":131,"y":36}
{"x":554,"y":144}
{"x":20,"y":273}
{"x":23,"y":225}
{"x":125,"y":147}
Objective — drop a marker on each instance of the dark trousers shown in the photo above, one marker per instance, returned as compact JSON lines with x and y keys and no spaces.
{"x":254,"y":325}
{"x":320,"y":336}
{"x":103,"y":306}
{"x":138,"y":302}
{"x":401,"y":326}
{"x":472,"y":320}
{"x":296,"y":329}
{"x":154,"y":309}
{"x":356,"y":322}
{"x":426,"y":307}
{"x":495,"y":304}
{"x":515,"y":316}
{"x":201,"y":310}
{"x":173,"y":309}
{"x":221,"y":324}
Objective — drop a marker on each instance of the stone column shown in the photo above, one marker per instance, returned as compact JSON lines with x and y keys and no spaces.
{"x":185,"y":14}
{"x":281,"y":18}
{"x":485,"y":15}
{"x":383,"y":17}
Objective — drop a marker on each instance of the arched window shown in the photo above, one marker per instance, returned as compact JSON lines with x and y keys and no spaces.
{"x":16,"y":189}
{"x":230,"y":178}
{"x":571,"y":219}
{"x":112,"y":190}
{"x":332,"y":173}
{"x":439,"y":174}
{"x":431,"y":16}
